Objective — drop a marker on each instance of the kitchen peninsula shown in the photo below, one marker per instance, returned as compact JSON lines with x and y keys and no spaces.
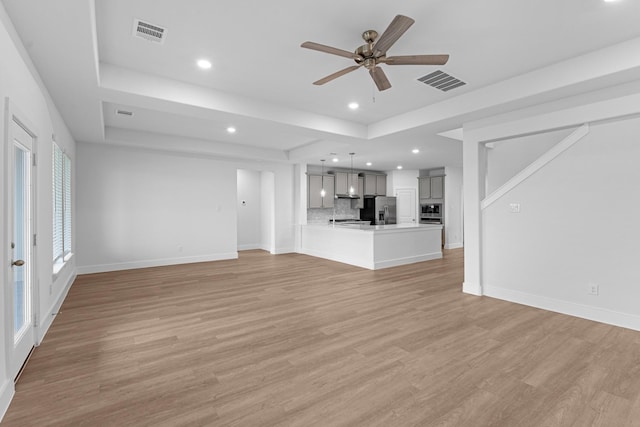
{"x":373,"y":246}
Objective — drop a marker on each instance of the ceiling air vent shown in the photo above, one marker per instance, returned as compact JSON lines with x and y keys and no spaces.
{"x":148,"y":31}
{"x":124,"y":113}
{"x":441,"y":80}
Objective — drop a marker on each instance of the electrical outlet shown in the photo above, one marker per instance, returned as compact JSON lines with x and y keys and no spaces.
{"x":594,"y":289}
{"x":514,"y":207}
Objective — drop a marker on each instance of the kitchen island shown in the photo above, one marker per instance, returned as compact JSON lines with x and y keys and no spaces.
{"x":373,"y":246}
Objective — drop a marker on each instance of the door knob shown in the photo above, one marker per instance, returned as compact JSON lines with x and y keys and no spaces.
{"x":17,"y":263}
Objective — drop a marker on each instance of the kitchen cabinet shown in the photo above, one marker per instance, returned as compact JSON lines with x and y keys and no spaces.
{"x":359,"y":203}
{"x":437,"y":187}
{"x":375,"y":185}
{"x":344,"y":180}
{"x":431,"y":187}
{"x":381,"y":185}
{"x":315,"y":200}
{"x":424,"y":183}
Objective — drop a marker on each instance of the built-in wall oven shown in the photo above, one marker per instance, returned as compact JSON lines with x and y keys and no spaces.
{"x":431,"y":213}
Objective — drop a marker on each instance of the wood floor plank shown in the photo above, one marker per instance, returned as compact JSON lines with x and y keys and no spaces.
{"x":291,"y":340}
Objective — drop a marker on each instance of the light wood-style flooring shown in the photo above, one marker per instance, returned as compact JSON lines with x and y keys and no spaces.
{"x":292,"y":340}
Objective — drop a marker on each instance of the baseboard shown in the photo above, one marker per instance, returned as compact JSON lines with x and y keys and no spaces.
{"x":406,"y":260}
{"x":597,"y":314}
{"x":47,"y":320}
{"x":6,"y":394}
{"x":472,"y":288}
{"x":453,"y":245}
{"x":279,"y":251}
{"x":102,"y":268}
{"x":249,"y":247}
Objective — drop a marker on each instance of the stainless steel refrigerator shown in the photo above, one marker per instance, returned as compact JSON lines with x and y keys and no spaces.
{"x":379,"y":210}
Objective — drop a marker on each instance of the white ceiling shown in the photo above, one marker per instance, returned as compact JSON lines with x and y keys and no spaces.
{"x":511,"y":53}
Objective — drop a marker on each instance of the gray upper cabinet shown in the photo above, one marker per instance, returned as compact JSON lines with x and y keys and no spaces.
{"x":437,"y":187}
{"x":315,"y":200}
{"x":375,"y":185}
{"x":425,"y":187}
{"x":381,"y":185}
{"x":431,"y":187}
{"x":344,"y":180}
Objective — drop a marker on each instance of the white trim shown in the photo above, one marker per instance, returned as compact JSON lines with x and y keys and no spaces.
{"x":249,"y":246}
{"x":597,"y":314}
{"x":6,"y":395}
{"x":454,"y":245}
{"x":538,"y":164}
{"x":472,"y":288}
{"x":285,"y":250}
{"x":47,"y":320}
{"x":102,"y":268}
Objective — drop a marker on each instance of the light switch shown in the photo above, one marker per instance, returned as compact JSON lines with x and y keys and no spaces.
{"x":515,"y":207}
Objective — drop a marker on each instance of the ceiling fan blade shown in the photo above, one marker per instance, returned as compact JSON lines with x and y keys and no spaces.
{"x":329,"y":49}
{"x":380,"y":78}
{"x":417,"y":60}
{"x":336,"y":75}
{"x":394,"y":31}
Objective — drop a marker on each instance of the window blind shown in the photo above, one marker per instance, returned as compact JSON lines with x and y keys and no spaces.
{"x":61,"y":204}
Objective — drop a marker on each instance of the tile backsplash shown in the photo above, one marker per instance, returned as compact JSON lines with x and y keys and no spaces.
{"x":343,"y":211}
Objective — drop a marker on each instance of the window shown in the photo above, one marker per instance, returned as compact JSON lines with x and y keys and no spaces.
{"x":61,"y":205}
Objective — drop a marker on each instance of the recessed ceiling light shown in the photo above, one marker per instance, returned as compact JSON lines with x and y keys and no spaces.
{"x":231,"y":129}
{"x":369,"y":163}
{"x":354,"y":105}
{"x":415,"y":151}
{"x":335,"y":159}
{"x":399,"y":167}
{"x":204,"y":64}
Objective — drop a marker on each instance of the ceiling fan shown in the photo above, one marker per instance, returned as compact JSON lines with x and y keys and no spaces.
{"x":374,"y":53}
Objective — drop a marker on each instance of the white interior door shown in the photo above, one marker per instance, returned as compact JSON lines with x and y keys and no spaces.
{"x":406,"y":205}
{"x":20,"y":227}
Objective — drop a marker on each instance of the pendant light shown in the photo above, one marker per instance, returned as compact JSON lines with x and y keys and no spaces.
{"x":352,"y":190}
{"x":322,"y":192}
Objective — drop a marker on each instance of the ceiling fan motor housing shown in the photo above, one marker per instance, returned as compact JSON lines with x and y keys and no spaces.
{"x":365,"y":52}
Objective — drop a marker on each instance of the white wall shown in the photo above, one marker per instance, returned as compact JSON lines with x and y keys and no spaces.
{"x":578,"y":225}
{"x":249,"y":209}
{"x":143,"y":208}
{"x":28,"y":97}
{"x":506,"y":158}
{"x":578,"y":222}
{"x":453,"y":209}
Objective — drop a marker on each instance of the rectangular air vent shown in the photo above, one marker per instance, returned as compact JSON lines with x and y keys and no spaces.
{"x":148,"y":31}
{"x":441,"y":80}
